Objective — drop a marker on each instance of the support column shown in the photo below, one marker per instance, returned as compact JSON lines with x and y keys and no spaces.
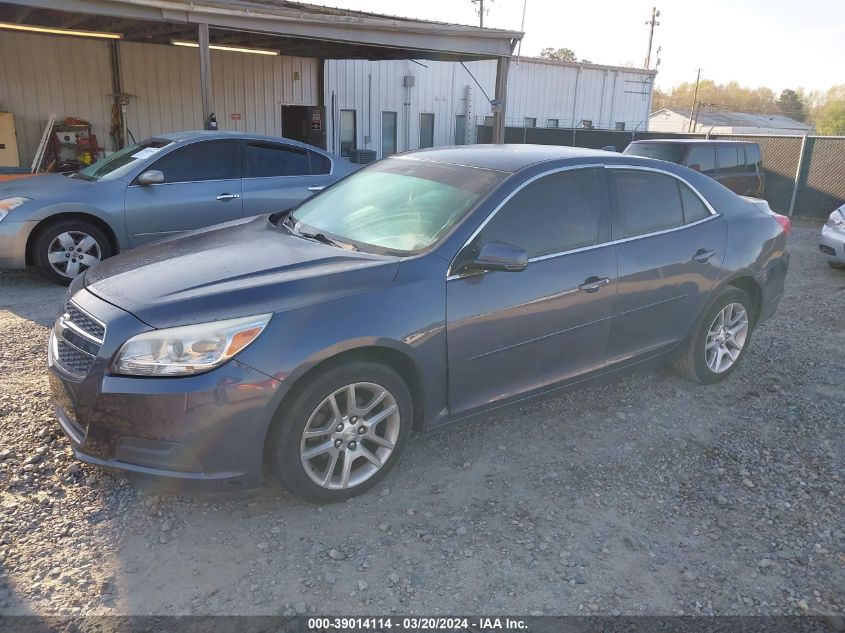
{"x":500,"y":98}
{"x":206,"y":87}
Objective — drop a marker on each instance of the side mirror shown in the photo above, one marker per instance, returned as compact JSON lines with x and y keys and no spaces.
{"x":151,"y":177}
{"x":609,"y":148}
{"x":498,"y":256}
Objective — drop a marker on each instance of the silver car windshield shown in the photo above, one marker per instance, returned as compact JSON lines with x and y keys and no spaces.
{"x":398,"y":204}
{"x":122,"y":161}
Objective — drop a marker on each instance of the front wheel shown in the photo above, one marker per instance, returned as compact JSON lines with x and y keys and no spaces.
{"x":66,"y":248}
{"x":720,"y":338}
{"x":341,"y":433}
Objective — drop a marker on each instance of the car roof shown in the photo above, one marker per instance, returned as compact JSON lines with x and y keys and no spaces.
{"x":509,"y":158}
{"x":692,"y":141}
{"x":195,"y":135}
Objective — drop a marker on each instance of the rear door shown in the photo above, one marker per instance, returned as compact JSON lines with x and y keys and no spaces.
{"x":510,"y":333}
{"x":669,"y":247}
{"x":202,"y":186}
{"x":279,"y":176}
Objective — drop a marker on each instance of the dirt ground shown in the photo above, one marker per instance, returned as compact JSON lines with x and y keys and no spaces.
{"x":650,"y":495}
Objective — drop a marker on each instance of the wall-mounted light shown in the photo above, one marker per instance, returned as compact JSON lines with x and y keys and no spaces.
{"x":44,"y":29}
{"x":231,"y":49}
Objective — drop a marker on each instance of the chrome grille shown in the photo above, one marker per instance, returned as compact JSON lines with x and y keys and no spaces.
{"x":84,"y":322}
{"x":76,"y":340}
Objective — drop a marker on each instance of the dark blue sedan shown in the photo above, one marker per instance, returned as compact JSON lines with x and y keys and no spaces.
{"x":421,"y":290}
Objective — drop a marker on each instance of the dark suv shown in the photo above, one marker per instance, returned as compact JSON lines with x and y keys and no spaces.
{"x":736,"y":164}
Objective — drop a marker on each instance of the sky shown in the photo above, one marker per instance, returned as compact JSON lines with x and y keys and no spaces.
{"x":775,"y":43}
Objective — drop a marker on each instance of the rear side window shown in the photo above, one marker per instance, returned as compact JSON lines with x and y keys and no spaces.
{"x":208,"y":160}
{"x":702,"y":159}
{"x":753,"y":158}
{"x":556,"y":213}
{"x":729,"y":159}
{"x":694,"y":209}
{"x":671,"y":152}
{"x":319,"y":164}
{"x":646,"y":202}
{"x":267,"y":159}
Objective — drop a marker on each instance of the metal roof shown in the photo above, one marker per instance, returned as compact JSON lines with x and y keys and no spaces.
{"x":293,"y":27}
{"x":709,"y":118}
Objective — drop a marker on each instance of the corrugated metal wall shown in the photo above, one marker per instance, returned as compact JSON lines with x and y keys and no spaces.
{"x":165,"y":80}
{"x":42,"y":75}
{"x":541,"y":91}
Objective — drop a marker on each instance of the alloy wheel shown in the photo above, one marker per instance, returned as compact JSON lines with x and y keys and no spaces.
{"x":350,"y":435}
{"x":72,"y":252}
{"x":726,"y":338}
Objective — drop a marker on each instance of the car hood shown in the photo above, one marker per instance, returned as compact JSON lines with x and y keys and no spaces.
{"x":236,"y":269}
{"x":43,"y":187}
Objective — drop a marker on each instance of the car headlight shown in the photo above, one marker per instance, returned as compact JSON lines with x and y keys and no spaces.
{"x":8,"y":204}
{"x":836,"y":221}
{"x":188,"y":349}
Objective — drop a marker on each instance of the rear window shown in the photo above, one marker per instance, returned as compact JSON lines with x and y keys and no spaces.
{"x":671,"y":152}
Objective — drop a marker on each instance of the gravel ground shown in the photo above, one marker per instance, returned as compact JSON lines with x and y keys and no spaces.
{"x":646,"y":496}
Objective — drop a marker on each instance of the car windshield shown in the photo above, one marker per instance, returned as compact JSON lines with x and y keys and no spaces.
{"x":122,"y":161}
{"x":671,"y":152}
{"x":398,"y":204}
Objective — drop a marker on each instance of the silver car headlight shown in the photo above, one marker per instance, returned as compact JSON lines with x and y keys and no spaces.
{"x":8,"y":204}
{"x":188,"y":349}
{"x":836,"y":221}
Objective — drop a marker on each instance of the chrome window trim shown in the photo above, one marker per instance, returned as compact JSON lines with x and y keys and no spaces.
{"x":713,"y":214}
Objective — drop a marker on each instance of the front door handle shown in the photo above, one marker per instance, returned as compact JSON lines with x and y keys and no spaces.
{"x":594,"y":284}
{"x":225,"y":197}
{"x":702,"y":255}
{"x":316,"y":188}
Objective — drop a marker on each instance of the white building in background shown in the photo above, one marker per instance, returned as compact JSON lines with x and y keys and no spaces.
{"x":390,"y":106}
{"x":724,"y":122}
{"x":386,"y":106}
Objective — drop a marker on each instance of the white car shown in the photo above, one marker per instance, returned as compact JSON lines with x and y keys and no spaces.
{"x":832,"y":242}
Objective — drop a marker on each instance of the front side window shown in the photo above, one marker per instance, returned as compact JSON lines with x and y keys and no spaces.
{"x":646,"y":202}
{"x":268,"y":159}
{"x":702,"y":159}
{"x":208,"y":160}
{"x":397,"y":205}
{"x":556,"y":213}
{"x":122,"y":161}
{"x":753,"y":158}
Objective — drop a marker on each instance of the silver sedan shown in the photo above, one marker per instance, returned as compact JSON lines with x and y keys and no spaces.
{"x":832,"y":242}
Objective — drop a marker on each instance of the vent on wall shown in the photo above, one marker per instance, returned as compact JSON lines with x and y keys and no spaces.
{"x":408,"y":81}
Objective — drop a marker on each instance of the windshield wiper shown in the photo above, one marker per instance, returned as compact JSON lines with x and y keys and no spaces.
{"x":290,"y":225}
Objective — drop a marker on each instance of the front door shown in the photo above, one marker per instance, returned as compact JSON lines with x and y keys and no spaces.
{"x":510,"y":333}
{"x":279,"y":177}
{"x":670,"y":249}
{"x":202,"y":186}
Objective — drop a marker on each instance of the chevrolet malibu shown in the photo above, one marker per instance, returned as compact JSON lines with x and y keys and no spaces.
{"x":425,"y":289}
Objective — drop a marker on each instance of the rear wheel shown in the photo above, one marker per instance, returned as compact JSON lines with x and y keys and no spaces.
{"x":66,"y":248}
{"x":341,"y":433}
{"x":720,"y":338}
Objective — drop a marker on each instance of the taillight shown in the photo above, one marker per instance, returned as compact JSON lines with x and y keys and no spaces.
{"x":784,"y":222}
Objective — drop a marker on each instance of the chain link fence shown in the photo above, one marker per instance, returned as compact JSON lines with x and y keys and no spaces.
{"x":820,"y":181}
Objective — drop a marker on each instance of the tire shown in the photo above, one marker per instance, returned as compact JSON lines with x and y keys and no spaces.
{"x":693,"y":364}
{"x":311,"y":409}
{"x":836,"y":265}
{"x":81,"y":243}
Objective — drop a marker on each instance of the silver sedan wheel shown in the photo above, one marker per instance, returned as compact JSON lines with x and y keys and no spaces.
{"x":350,"y":436}
{"x":72,"y":252}
{"x":726,"y":338}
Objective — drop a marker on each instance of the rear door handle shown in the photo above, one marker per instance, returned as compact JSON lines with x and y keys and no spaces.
{"x":316,"y":188}
{"x":225,"y":197}
{"x":594,"y":284}
{"x":702,"y":255}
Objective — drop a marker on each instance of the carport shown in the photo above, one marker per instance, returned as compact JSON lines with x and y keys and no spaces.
{"x":288,"y":28}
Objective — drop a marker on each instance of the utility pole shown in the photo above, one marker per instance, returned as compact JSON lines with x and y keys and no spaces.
{"x":651,"y":23}
{"x":480,"y":10}
{"x":694,"y":98}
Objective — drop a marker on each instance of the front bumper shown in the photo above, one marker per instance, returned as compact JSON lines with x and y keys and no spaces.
{"x":210,"y":427}
{"x":832,"y":244}
{"x":13,"y":238}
